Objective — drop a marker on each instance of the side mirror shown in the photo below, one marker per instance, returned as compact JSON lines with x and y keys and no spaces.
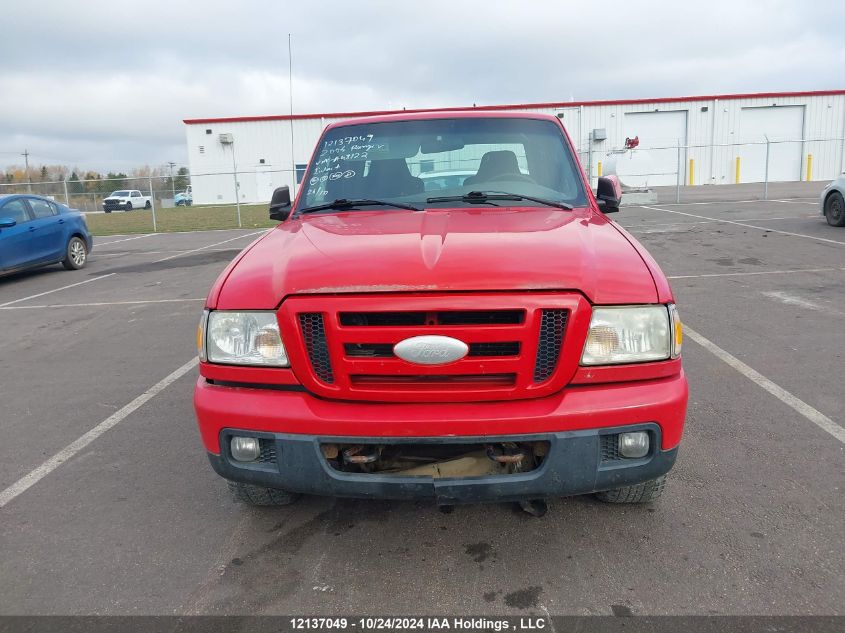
{"x":7,"y":223}
{"x":609,"y":194}
{"x":280,"y":204}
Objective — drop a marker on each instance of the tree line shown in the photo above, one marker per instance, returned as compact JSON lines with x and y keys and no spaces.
{"x":93,"y":182}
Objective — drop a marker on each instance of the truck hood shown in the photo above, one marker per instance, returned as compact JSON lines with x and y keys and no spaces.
{"x":439,"y":250}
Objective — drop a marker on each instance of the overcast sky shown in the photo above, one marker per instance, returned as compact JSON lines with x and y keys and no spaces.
{"x":105,"y":85}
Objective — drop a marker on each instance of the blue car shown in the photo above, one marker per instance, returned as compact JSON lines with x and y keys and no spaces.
{"x":183,"y":199}
{"x":36,"y":231}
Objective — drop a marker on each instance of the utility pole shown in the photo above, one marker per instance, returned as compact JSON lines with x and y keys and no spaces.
{"x":237,"y":185}
{"x":290,"y":94}
{"x":28,"y":178}
{"x":171,"y":164}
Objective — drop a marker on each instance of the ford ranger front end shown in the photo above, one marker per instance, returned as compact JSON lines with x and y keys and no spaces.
{"x":489,"y":336}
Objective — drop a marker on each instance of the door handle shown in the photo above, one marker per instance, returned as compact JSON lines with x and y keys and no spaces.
{"x":32,"y":228}
{"x":61,"y":221}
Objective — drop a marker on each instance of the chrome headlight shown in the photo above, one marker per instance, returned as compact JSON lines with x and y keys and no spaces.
{"x":630,"y":334}
{"x":241,"y":338}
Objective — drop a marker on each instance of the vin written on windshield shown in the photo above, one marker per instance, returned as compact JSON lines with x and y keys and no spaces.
{"x":439,"y":162}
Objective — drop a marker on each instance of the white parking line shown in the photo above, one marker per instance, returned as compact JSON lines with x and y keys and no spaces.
{"x":100,"y":303}
{"x":693,"y":204}
{"x":41,"y":294}
{"x":646,"y":225}
{"x":758,"y":272}
{"x":36,"y":475}
{"x":202,"y":248}
{"x":813,"y":415}
{"x":128,"y":239}
{"x":750,"y":226}
{"x":686,"y":227}
{"x":160,"y":252}
{"x":792,"y":300}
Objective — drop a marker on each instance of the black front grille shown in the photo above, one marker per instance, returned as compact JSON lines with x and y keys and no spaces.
{"x":610,"y":447}
{"x":268,"y":451}
{"x":314,"y":335}
{"x":442,"y":317}
{"x":369,"y":350}
{"x":385,"y":350}
{"x":552,"y":326}
{"x":504,"y":348}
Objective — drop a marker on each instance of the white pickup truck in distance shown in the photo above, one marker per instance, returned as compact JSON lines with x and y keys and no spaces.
{"x":126,"y":200}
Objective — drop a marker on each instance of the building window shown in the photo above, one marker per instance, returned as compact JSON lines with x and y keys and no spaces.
{"x":202,"y":149}
{"x":208,"y":130}
{"x":300,"y":172}
{"x":426,"y":166}
{"x":261,"y":161}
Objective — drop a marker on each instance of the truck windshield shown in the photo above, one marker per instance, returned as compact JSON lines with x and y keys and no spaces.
{"x":437,"y":162}
{"x":119,"y":194}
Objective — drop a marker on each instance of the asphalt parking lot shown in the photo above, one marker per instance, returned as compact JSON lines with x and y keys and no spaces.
{"x":135,"y":521}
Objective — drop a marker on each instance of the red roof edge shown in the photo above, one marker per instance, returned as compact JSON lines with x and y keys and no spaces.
{"x":567,"y":104}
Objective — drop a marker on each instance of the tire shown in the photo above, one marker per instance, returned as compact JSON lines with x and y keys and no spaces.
{"x":107,"y":210}
{"x":260,"y":496}
{"x":147,"y":204}
{"x":76,"y":254}
{"x":644,"y":492}
{"x":834,"y":209}
{"x":128,"y":206}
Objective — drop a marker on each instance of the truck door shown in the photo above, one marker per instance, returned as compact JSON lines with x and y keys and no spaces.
{"x":14,"y":240}
{"x":47,"y":230}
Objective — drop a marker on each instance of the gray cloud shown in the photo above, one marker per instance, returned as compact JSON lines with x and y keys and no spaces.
{"x":107,"y":84}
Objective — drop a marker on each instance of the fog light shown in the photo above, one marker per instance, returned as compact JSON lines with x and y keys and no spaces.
{"x":245,"y":449}
{"x":633,"y":444}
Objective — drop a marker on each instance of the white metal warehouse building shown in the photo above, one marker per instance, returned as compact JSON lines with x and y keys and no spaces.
{"x":715,"y":139}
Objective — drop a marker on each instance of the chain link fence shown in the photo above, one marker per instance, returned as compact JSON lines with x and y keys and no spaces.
{"x":682,"y":172}
{"x":761,"y":167}
{"x":161,"y":206}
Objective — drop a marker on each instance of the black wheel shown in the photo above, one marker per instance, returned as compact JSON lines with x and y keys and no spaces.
{"x":147,"y":205}
{"x":128,"y":206}
{"x":260,"y":496}
{"x":107,"y":210}
{"x":76,"y":254}
{"x":834,"y":209}
{"x":638,"y":493}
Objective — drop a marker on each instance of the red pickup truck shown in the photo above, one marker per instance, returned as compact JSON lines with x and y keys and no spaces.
{"x":488,"y":335}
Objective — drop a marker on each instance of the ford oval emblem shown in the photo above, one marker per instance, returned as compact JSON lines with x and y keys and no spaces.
{"x":431,"y":350}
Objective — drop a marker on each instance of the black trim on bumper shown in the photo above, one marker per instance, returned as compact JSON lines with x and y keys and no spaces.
{"x":572,"y":467}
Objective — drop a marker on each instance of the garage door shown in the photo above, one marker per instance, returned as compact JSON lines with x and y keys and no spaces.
{"x":649,"y":165}
{"x":779,"y":123}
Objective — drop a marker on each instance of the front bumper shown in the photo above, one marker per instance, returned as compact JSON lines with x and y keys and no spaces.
{"x":572,"y":420}
{"x":573,"y":466}
{"x":290,"y":409}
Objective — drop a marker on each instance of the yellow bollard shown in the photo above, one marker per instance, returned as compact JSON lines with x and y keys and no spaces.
{"x":809,"y":167}
{"x":599,"y":168}
{"x":737,"y":169}
{"x":691,"y":171}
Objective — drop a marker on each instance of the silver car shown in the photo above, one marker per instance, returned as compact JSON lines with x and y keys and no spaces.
{"x":833,"y":202}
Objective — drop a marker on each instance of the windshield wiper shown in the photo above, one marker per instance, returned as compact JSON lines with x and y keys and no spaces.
{"x":480,"y":197}
{"x":343,"y":203}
